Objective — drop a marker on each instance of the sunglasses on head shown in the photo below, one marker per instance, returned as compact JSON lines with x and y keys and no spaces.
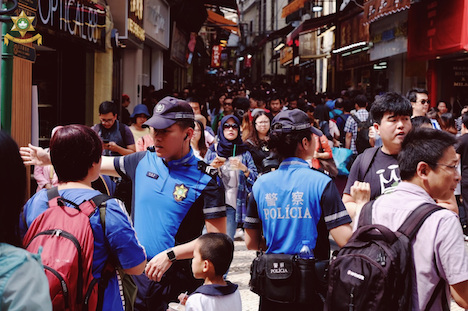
{"x":233,"y":126}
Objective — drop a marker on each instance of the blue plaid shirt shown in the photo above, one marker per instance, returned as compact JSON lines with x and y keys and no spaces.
{"x":351,"y":126}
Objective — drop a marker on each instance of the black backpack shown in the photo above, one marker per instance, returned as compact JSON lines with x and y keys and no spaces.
{"x":362,"y":138}
{"x":373,"y":271}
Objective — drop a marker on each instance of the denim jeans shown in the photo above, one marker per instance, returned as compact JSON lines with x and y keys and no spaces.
{"x":231,"y":225}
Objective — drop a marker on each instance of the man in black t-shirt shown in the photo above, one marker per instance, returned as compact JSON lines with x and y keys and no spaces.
{"x":462,"y":150}
{"x":375,"y":171}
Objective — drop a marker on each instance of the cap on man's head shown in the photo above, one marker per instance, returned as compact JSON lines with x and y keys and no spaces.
{"x":292,"y":120}
{"x":168,"y":111}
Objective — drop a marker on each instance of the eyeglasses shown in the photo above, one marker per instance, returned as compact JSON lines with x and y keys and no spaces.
{"x":107,"y":120}
{"x":425,"y":101}
{"x":227,"y":104}
{"x":233,"y":126}
{"x":453,"y":167}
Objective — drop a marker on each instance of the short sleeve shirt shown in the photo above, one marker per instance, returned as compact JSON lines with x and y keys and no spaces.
{"x":383,"y":175}
{"x":289,"y":203}
{"x":462,"y":150}
{"x":438,"y":249}
{"x":171,"y":200}
{"x":119,"y":233}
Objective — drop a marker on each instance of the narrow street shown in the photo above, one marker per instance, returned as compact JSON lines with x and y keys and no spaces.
{"x":240,"y":275}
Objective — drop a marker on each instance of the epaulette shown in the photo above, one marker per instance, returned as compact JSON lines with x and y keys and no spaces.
{"x":207,"y":169}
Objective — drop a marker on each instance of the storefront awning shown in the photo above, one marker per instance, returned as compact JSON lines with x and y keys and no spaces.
{"x":276,"y":35}
{"x":224,"y":3}
{"x":215,"y":19}
{"x":375,"y":9}
{"x":310,"y":25}
{"x":437,"y":28}
{"x":293,"y":7}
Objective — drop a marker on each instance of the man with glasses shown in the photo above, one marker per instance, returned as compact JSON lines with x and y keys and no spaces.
{"x":428,"y":169}
{"x":420,"y":102}
{"x":117,"y":138}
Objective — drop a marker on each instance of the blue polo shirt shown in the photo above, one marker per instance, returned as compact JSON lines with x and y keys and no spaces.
{"x":295,"y":203}
{"x":171,"y":200}
{"x":119,"y":233}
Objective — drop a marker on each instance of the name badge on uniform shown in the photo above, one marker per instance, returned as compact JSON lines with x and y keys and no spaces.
{"x":180,"y":192}
{"x":152,"y":175}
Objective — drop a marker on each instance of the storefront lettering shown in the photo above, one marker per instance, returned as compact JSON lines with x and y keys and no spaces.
{"x":136,"y":6}
{"x":136,"y":29}
{"x":70,"y":16}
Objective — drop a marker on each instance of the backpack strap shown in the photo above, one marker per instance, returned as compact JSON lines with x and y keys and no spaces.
{"x":365,"y":217}
{"x":356,"y":119}
{"x":417,"y":217}
{"x":52,"y":193}
{"x":410,"y":228}
{"x":367,"y":157}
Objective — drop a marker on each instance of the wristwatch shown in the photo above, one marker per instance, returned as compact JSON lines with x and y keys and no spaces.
{"x":171,"y":255}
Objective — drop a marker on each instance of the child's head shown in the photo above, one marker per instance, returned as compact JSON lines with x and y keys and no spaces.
{"x":213,"y":251}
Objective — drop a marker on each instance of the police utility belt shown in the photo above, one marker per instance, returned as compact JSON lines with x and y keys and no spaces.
{"x":287,"y":278}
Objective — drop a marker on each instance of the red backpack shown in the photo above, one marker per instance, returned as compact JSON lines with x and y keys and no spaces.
{"x":67,"y":242}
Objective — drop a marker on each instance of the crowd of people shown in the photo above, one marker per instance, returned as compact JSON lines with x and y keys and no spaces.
{"x":193,"y":171}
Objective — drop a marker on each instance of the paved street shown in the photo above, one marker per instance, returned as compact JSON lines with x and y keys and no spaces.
{"x":240,"y":275}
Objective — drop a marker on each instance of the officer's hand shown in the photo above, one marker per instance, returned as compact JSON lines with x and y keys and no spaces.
{"x":218,"y":162}
{"x":360,"y":191}
{"x":33,"y":155}
{"x":157,"y":266}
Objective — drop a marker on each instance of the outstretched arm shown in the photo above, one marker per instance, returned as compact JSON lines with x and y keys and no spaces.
{"x":33,"y":155}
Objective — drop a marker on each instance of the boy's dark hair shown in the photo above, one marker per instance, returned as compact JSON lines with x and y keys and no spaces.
{"x":12,"y":190}
{"x":422,"y":145}
{"x":193,"y":99}
{"x":218,"y":248}
{"x":285,"y":144}
{"x":347,"y":105}
{"x":106,"y":107}
{"x":419,"y":121}
{"x":412,"y":94}
{"x":361,"y":101}
{"x":73,"y":150}
{"x":275,"y":96}
{"x":390,"y":102}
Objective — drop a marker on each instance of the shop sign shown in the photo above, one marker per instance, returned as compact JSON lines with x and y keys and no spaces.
{"x":24,"y":52}
{"x":308,"y":44}
{"x":77,"y":18}
{"x":178,"y":46}
{"x":460,"y":78}
{"x":354,"y":60}
{"x":353,"y":30}
{"x":286,"y":55}
{"x":135,"y":19}
{"x":216,"y":56}
{"x":156,"y":21}
{"x":375,"y":9}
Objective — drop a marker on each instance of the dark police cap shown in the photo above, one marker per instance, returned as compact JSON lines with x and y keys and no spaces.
{"x":292,"y":120}
{"x":168,"y":111}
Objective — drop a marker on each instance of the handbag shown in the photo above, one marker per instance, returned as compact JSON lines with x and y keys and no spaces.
{"x":342,"y":157}
{"x":286,"y":278}
{"x":328,"y":165}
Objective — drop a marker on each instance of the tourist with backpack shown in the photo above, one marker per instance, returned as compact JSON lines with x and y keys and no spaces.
{"x":291,"y":209}
{"x":379,"y":166}
{"x":357,"y":126}
{"x":84,"y":235}
{"x":426,"y":261}
{"x":23,"y":284}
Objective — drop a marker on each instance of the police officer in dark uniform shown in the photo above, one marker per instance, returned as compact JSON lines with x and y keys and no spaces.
{"x":294,"y":203}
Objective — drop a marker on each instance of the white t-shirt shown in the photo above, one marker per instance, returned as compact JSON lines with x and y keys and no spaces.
{"x":202,"y":302}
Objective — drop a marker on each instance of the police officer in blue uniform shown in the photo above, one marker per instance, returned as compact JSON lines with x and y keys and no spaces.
{"x":294,"y":203}
{"x":175,"y":195}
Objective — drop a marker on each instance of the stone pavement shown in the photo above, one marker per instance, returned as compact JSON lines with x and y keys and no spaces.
{"x":239,"y":274}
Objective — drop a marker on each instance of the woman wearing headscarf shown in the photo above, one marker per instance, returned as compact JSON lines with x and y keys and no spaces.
{"x":236,"y":169}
